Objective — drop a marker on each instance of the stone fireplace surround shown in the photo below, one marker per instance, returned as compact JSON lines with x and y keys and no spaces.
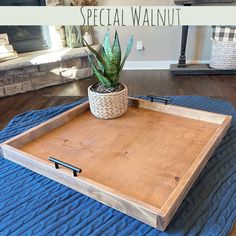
{"x":43,"y":68}
{"x":35,"y":70}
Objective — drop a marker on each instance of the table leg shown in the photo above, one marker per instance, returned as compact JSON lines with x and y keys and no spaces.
{"x":182,"y":58}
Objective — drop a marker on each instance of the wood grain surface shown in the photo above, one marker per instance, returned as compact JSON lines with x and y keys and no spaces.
{"x":142,"y":163}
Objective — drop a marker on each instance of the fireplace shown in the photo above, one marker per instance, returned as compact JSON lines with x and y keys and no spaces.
{"x":26,"y":38}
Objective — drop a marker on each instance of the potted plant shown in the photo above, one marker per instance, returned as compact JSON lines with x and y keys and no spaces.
{"x":108,"y":98}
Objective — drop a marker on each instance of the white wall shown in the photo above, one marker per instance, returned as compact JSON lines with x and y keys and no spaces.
{"x":162,"y":44}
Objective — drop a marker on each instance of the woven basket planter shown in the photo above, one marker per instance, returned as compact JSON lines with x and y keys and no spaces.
{"x":108,"y":105}
{"x":223,"y":55}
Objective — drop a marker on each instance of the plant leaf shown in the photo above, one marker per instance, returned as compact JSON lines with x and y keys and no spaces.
{"x":103,"y":80}
{"x":109,"y":60}
{"x":94,"y":52}
{"x":116,"y":49}
{"x":101,"y":66}
{"x":105,"y":63}
{"x":107,"y":46}
{"x":128,"y":51}
{"x":110,"y":68}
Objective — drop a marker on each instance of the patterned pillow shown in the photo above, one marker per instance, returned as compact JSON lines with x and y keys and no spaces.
{"x":224,"y":33}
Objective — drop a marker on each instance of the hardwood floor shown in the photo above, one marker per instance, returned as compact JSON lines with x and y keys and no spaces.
{"x":138,"y":82}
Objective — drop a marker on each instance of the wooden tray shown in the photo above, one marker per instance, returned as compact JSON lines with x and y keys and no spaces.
{"x":142,"y":164}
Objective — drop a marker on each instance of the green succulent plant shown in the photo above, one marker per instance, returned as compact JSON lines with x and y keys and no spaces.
{"x":109,"y":61}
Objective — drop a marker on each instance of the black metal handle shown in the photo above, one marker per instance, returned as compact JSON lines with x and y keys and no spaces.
{"x":58,"y":162}
{"x":166,"y":100}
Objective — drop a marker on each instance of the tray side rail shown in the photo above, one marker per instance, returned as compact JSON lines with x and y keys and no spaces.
{"x":178,"y":111}
{"x":113,"y":198}
{"x":175,"y":199}
{"x":47,"y":126}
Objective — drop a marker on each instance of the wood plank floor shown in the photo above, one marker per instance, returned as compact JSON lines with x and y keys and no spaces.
{"x":138,"y":82}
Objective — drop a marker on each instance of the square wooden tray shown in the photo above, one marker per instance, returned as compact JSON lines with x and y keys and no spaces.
{"x":142,"y":164}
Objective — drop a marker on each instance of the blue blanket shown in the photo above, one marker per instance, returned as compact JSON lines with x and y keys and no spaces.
{"x":31,"y":204}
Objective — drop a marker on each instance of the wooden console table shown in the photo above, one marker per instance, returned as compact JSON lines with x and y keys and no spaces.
{"x":182,"y":68}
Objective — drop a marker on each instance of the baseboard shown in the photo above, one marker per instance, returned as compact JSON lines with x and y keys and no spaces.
{"x":156,"y":65}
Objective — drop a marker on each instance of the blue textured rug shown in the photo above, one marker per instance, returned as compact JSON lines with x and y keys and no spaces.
{"x":31,"y":204}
